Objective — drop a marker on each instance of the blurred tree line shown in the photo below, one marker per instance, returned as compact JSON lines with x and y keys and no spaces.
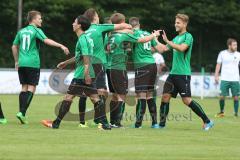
{"x":211,"y":23}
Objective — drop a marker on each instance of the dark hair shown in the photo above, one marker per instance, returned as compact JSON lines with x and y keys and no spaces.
{"x":117,"y":18}
{"x":90,"y":13}
{"x":230,"y":41}
{"x":31,"y":15}
{"x":84,"y":22}
{"x":134,"y":21}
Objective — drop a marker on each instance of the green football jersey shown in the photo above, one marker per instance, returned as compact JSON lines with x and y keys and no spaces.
{"x":142,"y":54}
{"x":84,"y":47}
{"x":97,"y":33}
{"x":117,"y":43}
{"x":26,"y":39}
{"x":106,"y":65}
{"x":181,"y":60}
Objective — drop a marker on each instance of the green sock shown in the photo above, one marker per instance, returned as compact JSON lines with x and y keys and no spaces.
{"x":140,"y":111}
{"x":164,"y":110}
{"x":197,"y":109}
{"x":222,"y":104}
{"x":122,"y":110}
{"x":236,"y":104}
{"x":29,"y":96}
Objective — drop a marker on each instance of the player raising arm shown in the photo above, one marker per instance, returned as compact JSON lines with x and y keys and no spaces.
{"x":180,"y":76}
{"x":27,"y":61}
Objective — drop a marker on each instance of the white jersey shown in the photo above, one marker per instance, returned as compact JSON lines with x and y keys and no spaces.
{"x":158,"y":58}
{"x":229,"y":62}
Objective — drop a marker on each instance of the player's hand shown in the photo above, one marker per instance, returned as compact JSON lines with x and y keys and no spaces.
{"x":127,"y":26}
{"x":156,"y":33}
{"x":65,"y":50}
{"x":88,"y":79}
{"x":108,"y":48}
{"x":216,"y":79}
{"x":16,"y":65}
{"x":61,"y":65}
{"x":164,"y":37}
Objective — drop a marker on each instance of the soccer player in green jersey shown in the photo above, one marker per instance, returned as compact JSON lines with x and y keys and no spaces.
{"x":145,"y":74}
{"x":97,"y":34}
{"x":27,"y":61}
{"x":82,"y":82}
{"x":3,"y":120}
{"x":179,"y":78}
{"x":117,"y":58}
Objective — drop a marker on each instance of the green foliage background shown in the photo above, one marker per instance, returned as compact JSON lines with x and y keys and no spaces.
{"x":211,"y":23}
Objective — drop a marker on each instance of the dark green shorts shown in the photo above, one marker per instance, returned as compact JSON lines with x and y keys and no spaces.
{"x":226,"y":85}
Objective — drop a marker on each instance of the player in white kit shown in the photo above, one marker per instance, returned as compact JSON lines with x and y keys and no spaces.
{"x":228,"y":62}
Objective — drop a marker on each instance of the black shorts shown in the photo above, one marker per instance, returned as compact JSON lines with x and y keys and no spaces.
{"x":117,"y":81}
{"x":78,"y":87}
{"x":100,"y":76}
{"x":178,"y":84}
{"x":145,"y":78}
{"x":29,"y":75}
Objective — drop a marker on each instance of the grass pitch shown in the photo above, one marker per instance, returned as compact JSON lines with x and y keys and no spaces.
{"x":183,"y":138}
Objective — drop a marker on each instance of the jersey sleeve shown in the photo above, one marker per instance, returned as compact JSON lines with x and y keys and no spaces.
{"x":219,"y":59}
{"x":40,"y":35}
{"x":17,"y":39}
{"x":188,"y":40}
{"x":169,"y":47}
{"x":130,"y":38}
{"x":153,"y":43}
{"x":105,"y":27}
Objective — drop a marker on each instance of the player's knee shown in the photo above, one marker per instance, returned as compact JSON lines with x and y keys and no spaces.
{"x":235,"y":98}
{"x":187,"y":101}
{"x":114,"y":97}
{"x":222,"y":97}
{"x":24,"y":88}
{"x":31,"y":88}
{"x":141,"y":95}
{"x":166,"y":98}
{"x":149,"y":95}
{"x":121,"y":97}
{"x":68,"y":97}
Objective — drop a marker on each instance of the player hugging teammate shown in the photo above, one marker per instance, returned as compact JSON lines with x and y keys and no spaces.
{"x":101,"y":49}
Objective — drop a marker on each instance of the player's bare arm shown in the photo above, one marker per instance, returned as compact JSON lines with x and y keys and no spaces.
{"x":125,"y":31}
{"x":15,"y":55}
{"x":122,"y":26}
{"x":63,"y":64}
{"x":178,"y":47}
{"x":51,"y":42}
{"x":86,"y":62}
{"x":161,"y":48}
{"x":150,"y":37}
{"x":217,"y":70}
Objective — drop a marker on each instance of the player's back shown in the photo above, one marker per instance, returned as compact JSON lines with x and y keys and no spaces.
{"x":142,"y":53}
{"x":27,"y":38}
{"x":117,"y":45}
{"x":97,"y":33}
{"x":28,"y":46}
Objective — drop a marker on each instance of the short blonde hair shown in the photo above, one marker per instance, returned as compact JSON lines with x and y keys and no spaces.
{"x":134,"y":21}
{"x":183,"y":17}
{"x":117,"y":18}
{"x":31,"y":15}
